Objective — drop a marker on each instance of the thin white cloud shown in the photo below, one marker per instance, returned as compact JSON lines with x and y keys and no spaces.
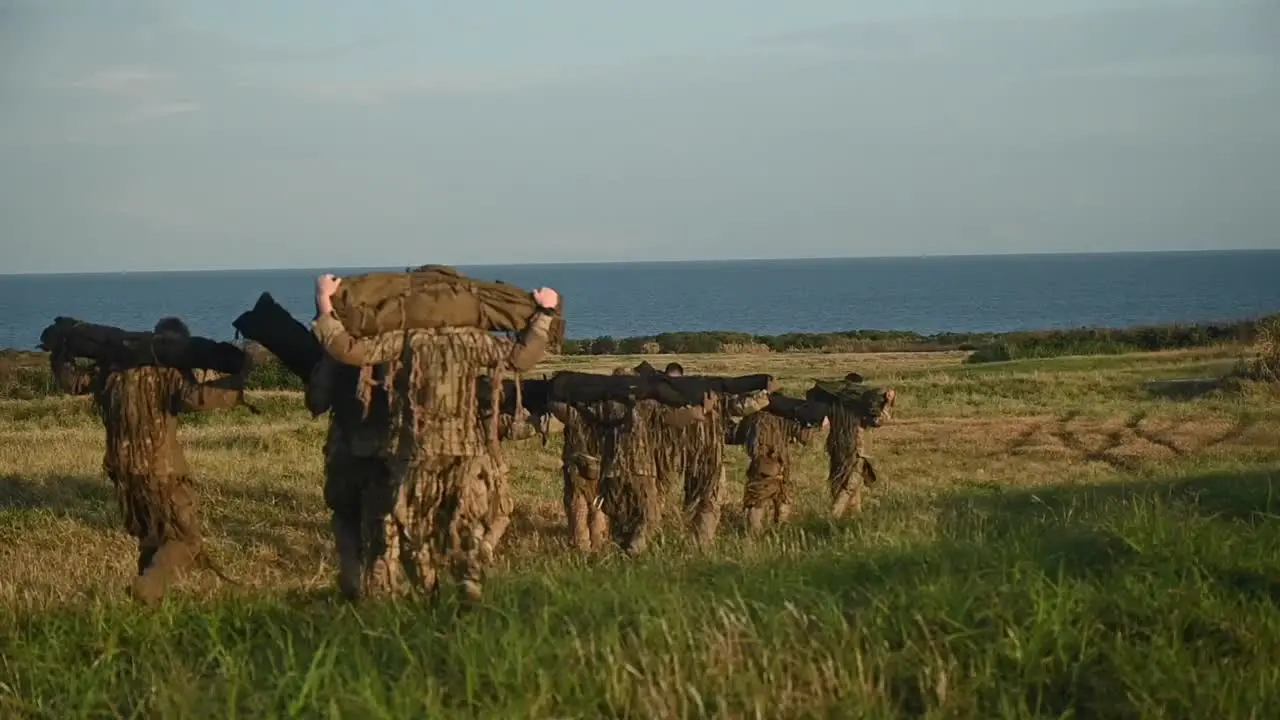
{"x":123,"y":80}
{"x":151,"y":93}
{"x":161,"y":109}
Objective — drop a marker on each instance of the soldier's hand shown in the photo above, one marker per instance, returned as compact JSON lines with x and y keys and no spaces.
{"x":546,"y":298}
{"x":326,"y":285}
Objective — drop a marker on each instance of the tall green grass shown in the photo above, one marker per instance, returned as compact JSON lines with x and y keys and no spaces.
{"x":1151,"y":598}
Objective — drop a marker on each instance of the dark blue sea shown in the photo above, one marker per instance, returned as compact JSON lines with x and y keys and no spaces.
{"x":927,"y":295}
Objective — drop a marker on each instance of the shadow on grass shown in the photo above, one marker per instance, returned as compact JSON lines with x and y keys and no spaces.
{"x":87,"y":500}
{"x":1092,"y":600}
{"x":91,"y":502}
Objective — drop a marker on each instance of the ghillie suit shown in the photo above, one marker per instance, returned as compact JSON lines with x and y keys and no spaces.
{"x":703,"y":459}
{"x":639,"y":407}
{"x":139,"y":408}
{"x":356,"y":476}
{"x":853,"y":409}
{"x":767,"y":437}
{"x":696,"y":452}
{"x":451,"y":503}
{"x":629,"y":475}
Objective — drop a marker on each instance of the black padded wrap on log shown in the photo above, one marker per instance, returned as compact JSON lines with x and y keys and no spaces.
{"x":272,"y":327}
{"x":809,"y":413}
{"x":113,"y":347}
{"x":584,"y":388}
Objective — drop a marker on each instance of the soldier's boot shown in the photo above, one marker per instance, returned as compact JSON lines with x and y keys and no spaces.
{"x":145,"y":553}
{"x":637,"y":542}
{"x":498,"y":528}
{"x":422,"y":571}
{"x":469,"y":574}
{"x":705,"y":523}
{"x":847,"y":502}
{"x":167,"y":564}
{"x":347,"y":542}
{"x":781,"y":513}
{"x":755,"y":521}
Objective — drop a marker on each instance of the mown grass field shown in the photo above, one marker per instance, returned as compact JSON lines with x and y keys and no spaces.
{"x":1050,"y":539}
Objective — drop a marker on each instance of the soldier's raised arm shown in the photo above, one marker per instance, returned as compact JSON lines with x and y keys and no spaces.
{"x":529,"y":349}
{"x":338,"y":343}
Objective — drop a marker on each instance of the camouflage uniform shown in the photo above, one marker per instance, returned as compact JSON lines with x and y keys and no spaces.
{"x":139,"y":407}
{"x":703,"y":459}
{"x":355,"y":473}
{"x":768,"y":438}
{"x":628,"y":486}
{"x":580,"y":466}
{"x":451,"y":501}
{"x":849,"y":468}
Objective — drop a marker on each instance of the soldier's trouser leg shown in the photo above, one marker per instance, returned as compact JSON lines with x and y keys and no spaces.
{"x":469,"y":511}
{"x":703,"y":488}
{"x":499,"y":518}
{"x":587,"y":525}
{"x":420,"y":495}
{"x":380,"y":533}
{"x":767,"y":485}
{"x":706,"y":518}
{"x":346,"y":478}
{"x":845,"y":480}
{"x":577,"y":508}
{"x":176,"y":527}
{"x":629,"y":503}
{"x":598,"y":522}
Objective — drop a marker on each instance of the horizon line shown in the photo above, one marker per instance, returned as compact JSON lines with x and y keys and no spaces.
{"x":921,"y":256}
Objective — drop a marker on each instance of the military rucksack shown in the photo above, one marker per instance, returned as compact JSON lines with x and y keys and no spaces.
{"x":435,"y":296}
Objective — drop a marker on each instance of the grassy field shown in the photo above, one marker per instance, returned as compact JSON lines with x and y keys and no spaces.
{"x":1049,"y":539}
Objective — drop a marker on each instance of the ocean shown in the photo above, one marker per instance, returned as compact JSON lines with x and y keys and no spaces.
{"x":926,"y":295}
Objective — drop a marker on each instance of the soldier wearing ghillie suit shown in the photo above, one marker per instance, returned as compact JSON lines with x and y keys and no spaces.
{"x":356,"y":480}
{"x":703,"y":459}
{"x":629,"y":469}
{"x":451,"y":501}
{"x":853,"y":409}
{"x":695,"y":453}
{"x":139,"y":407}
{"x":767,"y":438}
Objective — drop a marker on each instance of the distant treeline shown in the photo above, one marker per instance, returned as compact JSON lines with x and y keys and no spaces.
{"x":985,"y":347}
{"x":25,"y":374}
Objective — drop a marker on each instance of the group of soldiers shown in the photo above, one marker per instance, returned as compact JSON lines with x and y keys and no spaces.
{"x":414,"y":475}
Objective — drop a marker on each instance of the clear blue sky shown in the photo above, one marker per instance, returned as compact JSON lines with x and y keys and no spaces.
{"x":186,"y":134}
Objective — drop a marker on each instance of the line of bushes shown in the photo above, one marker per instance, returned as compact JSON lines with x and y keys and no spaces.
{"x":25,"y":374}
{"x":985,"y":347}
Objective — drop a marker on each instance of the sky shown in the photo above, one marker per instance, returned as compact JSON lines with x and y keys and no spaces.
{"x":189,"y":134}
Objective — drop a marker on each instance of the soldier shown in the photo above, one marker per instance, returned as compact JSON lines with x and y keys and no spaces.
{"x":696,"y":452}
{"x":703,"y":459}
{"x":451,"y":498}
{"x":853,"y":409}
{"x":139,"y":407}
{"x":767,"y":437}
{"x":355,"y":473}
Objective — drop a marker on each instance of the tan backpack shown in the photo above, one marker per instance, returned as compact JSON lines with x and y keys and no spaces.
{"x":434,"y":296}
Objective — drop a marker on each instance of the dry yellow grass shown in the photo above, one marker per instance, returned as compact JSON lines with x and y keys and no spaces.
{"x":958,"y":432}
